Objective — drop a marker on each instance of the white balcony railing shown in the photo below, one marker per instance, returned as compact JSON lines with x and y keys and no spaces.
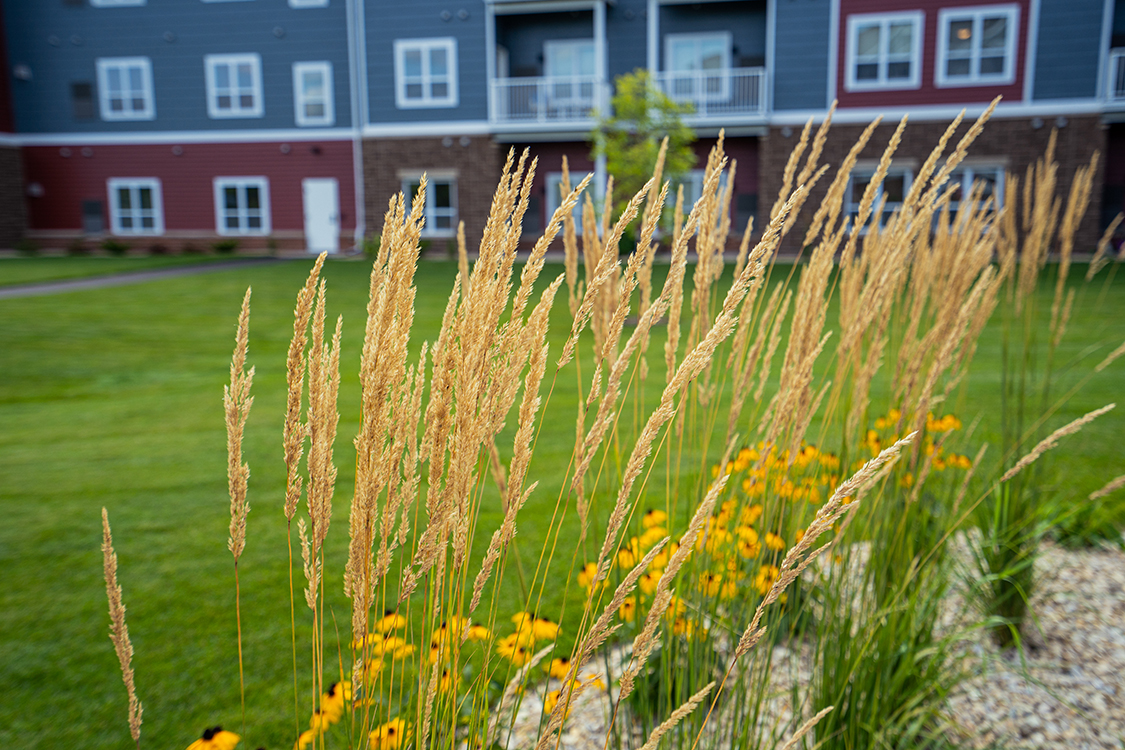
{"x":1117,"y":75}
{"x":715,"y":93}
{"x":553,"y":100}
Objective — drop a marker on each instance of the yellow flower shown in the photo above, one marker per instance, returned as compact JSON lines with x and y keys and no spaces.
{"x":320,"y":721}
{"x":544,"y":629}
{"x":449,"y":681}
{"x":332,"y":703}
{"x":511,"y":649}
{"x":765,"y":579}
{"x":729,"y":589}
{"x":628,"y":609}
{"x":559,"y":667}
{"x":215,"y":738}
{"x":651,"y":536}
{"x":894,"y":415}
{"x":749,"y":549}
{"x":371,"y":639}
{"x":774,"y":542}
{"x":799,"y":535}
{"x":391,"y":620}
{"x":751,"y":514}
{"x":305,"y":739}
{"x":653,"y":518}
{"x":390,"y":736}
{"x":710,"y":583}
{"x":907,"y":480}
{"x":479,"y":633}
{"x":587,"y":575}
{"x":880,"y":424}
{"x":402,"y":651}
{"x":648,"y":581}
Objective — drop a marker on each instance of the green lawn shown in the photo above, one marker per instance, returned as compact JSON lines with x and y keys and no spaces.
{"x":36,"y":270}
{"x":114,"y":397}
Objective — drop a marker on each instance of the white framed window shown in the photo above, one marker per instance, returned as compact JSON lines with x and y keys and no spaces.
{"x":441,"y":201}
{"x":977,"y":46}
{"x":242,"y":205}
{"x":115,"y":3}
{"x":135,"y":205}
{"x":555,"y":198}
{"x":125,"y":88}
{"x":699,"y":65}
{"x":990,"y":178}
{"x":425,"y":73}
{"x":570,"y":65}
{"x":234,"y":85}
{"x":308,"y":3}
{"x":312,"y":93}
{"x":896,"y":184}
{"x":884,"y":51}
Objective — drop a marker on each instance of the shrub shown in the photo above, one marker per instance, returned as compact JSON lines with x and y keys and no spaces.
{"x":226,"y":246}
{"x":114,"y":246}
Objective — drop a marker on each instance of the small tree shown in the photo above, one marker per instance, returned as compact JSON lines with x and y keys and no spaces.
{"x":630,"y":139}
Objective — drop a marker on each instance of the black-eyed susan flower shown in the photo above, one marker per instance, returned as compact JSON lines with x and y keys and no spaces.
{"x":215,"y":738}
{"x":511,"y":649}
{"x":628,"y":609}
{"x":479,"y":633}
{"x":559,"y":667}
{"x":391,"y":620}
{"x":551,"y":700}
{"x":765,"y":579}
{"x":305,"y":739}
{"x":649,"y":581}
{"x":449,"y":680}
{"x":543,"y":629}
{"x":371,"y":639}
{"x":751,"y":514}
{"x":402,"y":651}
{"x":652,"y":535}
{"x":588,"y":575}
{"x":710,"y":583}
{"x":390,"y":736}
{"x":653,"y":518}
{"x":774,"y":542}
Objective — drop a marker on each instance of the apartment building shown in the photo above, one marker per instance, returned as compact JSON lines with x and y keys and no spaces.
{"x":289,"y":123}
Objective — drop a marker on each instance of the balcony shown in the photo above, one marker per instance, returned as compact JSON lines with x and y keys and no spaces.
{"x":717,"y":94}
{"x":1116,"y":76}
{"x":547,"y":102}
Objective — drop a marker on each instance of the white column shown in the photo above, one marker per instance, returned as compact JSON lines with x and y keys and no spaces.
{"x":653,"y":36}
{"x":600,"y":71}
{"x":490,"y":57}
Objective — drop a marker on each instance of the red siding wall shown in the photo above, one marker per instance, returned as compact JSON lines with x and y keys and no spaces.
{"x":928,"y":93}
{"x":186,"y":179}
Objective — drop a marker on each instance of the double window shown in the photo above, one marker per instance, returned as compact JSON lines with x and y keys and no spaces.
{"x":234,"y":85}
{"x":242,"y":205}
{"x":977,"y":45}
{"x":440,"y":209}
{"x":125,"y":86}
{"x":884,"y":51}
{"x":135,"y":205}
{"x":425,"y":73}
{"x":896,"y":184}
{"x":312,"y":93}
{"x":698,"y":65}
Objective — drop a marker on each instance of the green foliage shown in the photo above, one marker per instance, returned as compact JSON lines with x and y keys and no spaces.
{"x":27,"y":247}
{"x":630,"y":138}
{"x":225,"y":246}
{"x":114,"y":247}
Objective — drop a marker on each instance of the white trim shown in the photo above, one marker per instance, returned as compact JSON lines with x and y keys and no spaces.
{"x":123,"y":65}
{"x":223,"y":1}
{"x":1031,"y":49}
{"x":601,"y":59}
{"x":357,"y":109}
{"x":490,"y":58}
{"x":917,"y":20}
{"x":864,"y":115}
{"x":243,"y":212}
{"x":173,"y":137}
{"x":1103,"y":53}
{"x":833,"y":51}
{"x":308,"y":3}
{"x":115,"y":184}
{"x":7,"y":139}
{"x":211,"y":64}
{"x":424,"y":47}
{"x":431,"y":211}
{"x":976,"y":13}
{"x":652,"y":43}
{"x":851,"y":206}
{"x":324,"y":68}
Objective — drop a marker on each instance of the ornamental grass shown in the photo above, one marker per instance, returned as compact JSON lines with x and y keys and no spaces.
{"x":765,"y":478}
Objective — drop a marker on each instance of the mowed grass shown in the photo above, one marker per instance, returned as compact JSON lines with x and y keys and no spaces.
{"x":113,"y":398}
{"x":38,"y":270}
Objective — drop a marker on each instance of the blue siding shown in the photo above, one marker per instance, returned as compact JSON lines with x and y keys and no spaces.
{"x":422,"y":19}
{"x":626,"y":29}
{"x":86,"y":33}
{"x":801,"y":54}
{"x":746,"y":21}
{"x":1066,"y":61}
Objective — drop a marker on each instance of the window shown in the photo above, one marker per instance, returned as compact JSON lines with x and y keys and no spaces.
{"x":977,"y":46}
{"x":895,"y":186}
{"x":125,"y":86}
{"x":441,"y":202}
{"x":242,"y":205}
{"x":312,"y":93}
{"x":82,"y":100}
{"x":699,"y":65}
{"x":234,"y":85}
{"x":425,"y":73}
{"x":989,"y":177}
{"x":693,"y":188}
{"x":884,"y":51}
{"x":135,"y":206}
{"x":555,"y":197}
{"x":571,"y":63}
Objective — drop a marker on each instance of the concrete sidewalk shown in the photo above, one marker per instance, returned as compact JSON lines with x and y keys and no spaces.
{"x":120,"y":279}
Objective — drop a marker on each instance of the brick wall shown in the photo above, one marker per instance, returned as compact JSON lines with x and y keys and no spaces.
{"x":477,"y":161}
{"x":13,"y":215}
{"x":1013,"y":140}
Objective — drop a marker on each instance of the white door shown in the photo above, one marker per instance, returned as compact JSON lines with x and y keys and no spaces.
{"x":322,"y":214}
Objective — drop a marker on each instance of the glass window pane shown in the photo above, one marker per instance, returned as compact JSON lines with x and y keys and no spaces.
{"x":868,"y":41}
{"x":148,"y":222}
{"x":126,"y":222}
{"x":314,"y":110}
{"x":894,"y":187}
{"x":683,"y":54}
{"x":224,"y":102}
{"x":231,"y":221}
{"x":586,"y":59}
{"x":413,"y":91}
{"x":901,"y":38}
{"x":312,"y":82}
{"x":898,"y":70}
{"x":246,"y":101}
{"x":442,"y":195}
{"x":438,"y":62}
{"x":991,"y":66}
{"x":867,"y":72}
{"x":124,"y":198}
{"x":961,"y":35}
{"x":443,"y":222}
{"x":138,"y":104}
{"x":439,"y":90}
{"x":230,"y":198}
{"x":413,"y":59}
{"x":113,"y":78}
{"x":254,"y":222}
{"x":146,"y":198}
{"x":253,"y":197}
{"x":245,"y":79}
{"x":995,"y":33}
{"x":711,"y":54}
{"x":222,"y":76}
{"x":135,"y":83}
{"x":859,"y":185}
{"x":957,"y":68}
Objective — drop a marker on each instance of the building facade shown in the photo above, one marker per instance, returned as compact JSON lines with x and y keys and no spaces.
{"x":289,"y":123}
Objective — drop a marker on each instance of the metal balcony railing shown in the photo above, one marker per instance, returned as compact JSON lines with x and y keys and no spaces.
{"x":557,"y":99}
{"x":714,"y":93}
{"x":1117,"y":75}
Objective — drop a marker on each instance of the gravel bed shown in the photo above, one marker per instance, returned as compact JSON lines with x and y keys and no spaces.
{"x":1069,"y":694}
